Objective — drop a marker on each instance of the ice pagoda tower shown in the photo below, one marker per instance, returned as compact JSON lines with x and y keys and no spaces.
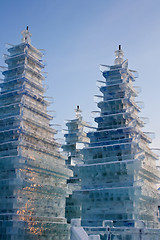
{"x":75,"y":140}
{"x":119,"y":173}
{"x":32,"y":171}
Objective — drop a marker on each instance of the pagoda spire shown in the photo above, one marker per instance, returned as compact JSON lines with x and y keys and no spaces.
{"x":119,"y":56}
{"x":26,"y":36}
{"x":78,"y":111}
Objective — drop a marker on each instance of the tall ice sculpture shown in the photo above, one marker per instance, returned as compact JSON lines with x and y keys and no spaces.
{"x":119,"y":176}
{"x":32,"y":171}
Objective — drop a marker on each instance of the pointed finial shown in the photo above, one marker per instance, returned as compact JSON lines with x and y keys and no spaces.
{"x":26,"y":36}
{"x":78,"y":112}
{"x":119,"y":56}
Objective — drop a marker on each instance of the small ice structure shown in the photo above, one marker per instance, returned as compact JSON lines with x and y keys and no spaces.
{"x":75,"y":139}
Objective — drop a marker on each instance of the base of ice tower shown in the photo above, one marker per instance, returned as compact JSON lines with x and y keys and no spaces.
{"x":37,"y":229}
{"x":110,"y":232}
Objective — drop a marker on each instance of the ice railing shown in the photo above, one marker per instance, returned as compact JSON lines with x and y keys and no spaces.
{"x":20,"y":75}
{"x":128,"y":113}
{"x":116,"y":141}
{"x":38,"y":53}
{"x":78,"y":121}
{"x":148,"y":150}
{"x":131,"y":128}
{"x":108,"y":113}
{"x":36,"y":109}
{"x":47,"y":138}
{"x":138,"y":104}
{"x":125,"y":112}
{"x":27,"y":91}
{"x":106,"y":68}
{"x":37,"y":60}
{"x":28,"y":102}
{"x":31,"y":132}
{"x":41,"y":87}
{"x":70,"y":134}
{"x":5,"y":87}
{"x":23,"y":54}
{"x":70,"y":140}
{"x":113,"y":146}
{"x":122,"y":85}
{"x":45,"y":150}
{"x":125,"y":157}
{"x":157,"y":152}
{"x":23,"y":67}
{"x":18,"y":118}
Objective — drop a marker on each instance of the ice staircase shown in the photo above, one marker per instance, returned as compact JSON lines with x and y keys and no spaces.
{"x":78,"y":232}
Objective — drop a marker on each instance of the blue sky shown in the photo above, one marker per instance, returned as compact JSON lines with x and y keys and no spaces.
{"x":78,"y":36}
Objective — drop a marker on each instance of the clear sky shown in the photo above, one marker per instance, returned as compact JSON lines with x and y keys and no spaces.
{"x":78,"y":36}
